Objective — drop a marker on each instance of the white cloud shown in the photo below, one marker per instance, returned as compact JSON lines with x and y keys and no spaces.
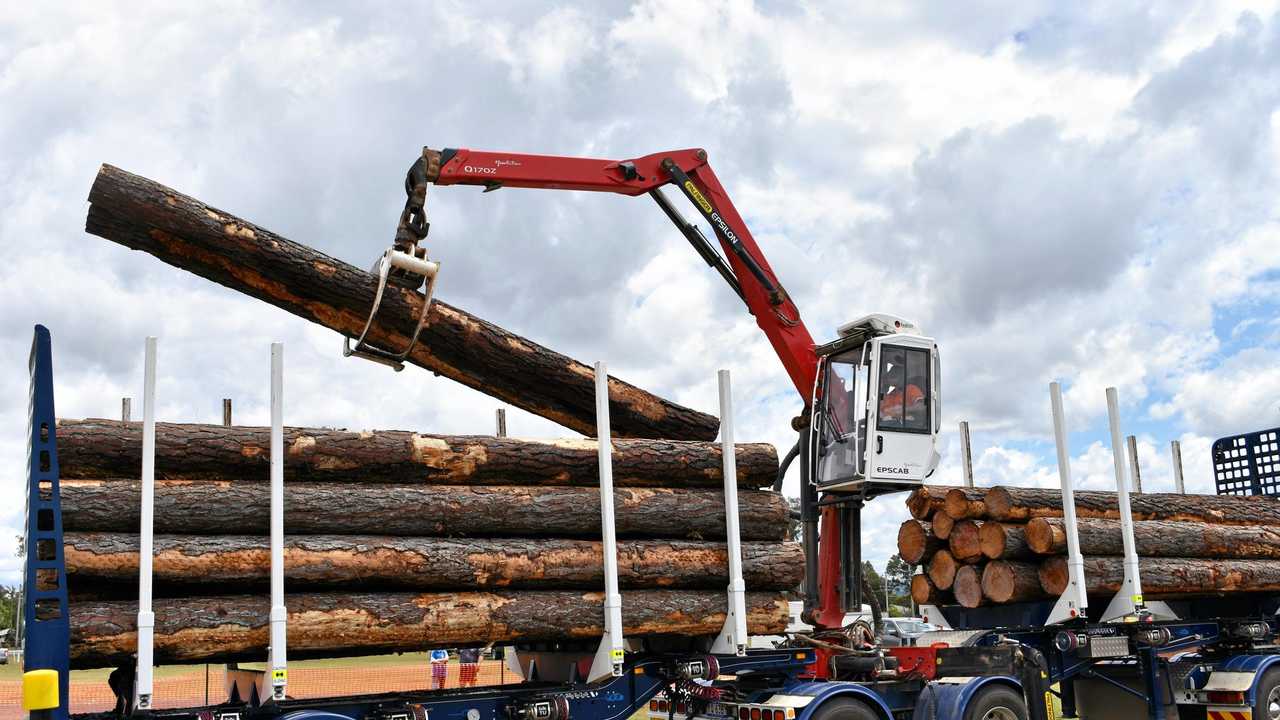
{"x":1056,"y":192}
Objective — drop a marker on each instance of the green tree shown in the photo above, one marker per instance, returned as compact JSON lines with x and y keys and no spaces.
{"x":9,"y":608}
{"x":793,"y":521}
{"x":874,"y":582}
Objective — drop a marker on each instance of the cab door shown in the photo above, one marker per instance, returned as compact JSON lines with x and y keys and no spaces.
{"x":902,"y":415}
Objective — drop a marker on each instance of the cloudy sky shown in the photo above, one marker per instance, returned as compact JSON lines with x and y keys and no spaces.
{"x":1076,"y":191}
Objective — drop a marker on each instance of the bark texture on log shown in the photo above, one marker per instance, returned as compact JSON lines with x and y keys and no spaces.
{"x":1157,"y":538}
{"x":221,"y":629}
{"x":1012,"y":504}
{"x":964,"y":503}
{"x":144,"y":215}
{"x":968,"y":586}
{"x":925,"y":500}
{"x":347,"y":561}
{"x":1168,"y":577}
{"x":942,"y":569}
{"x":1001,"y":541}
{"x":943,"y":524}
{"x":923,"y":592}
{"x":234,"y":508}
{"x":916,"y":541}
{"x":965,"y":542}
{"x":110,"y":448}
{"x":1006,"y":581}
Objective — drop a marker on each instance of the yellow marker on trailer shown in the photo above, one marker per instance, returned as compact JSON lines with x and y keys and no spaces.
{"x":40,"y":692}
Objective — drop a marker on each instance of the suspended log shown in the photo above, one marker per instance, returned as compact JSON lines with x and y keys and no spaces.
{"x":223,"y":629}
{"x":924,"y":592}
{"x":426,"y":563}
{"x":925,"y":500}
{"x":1157,"y":538}
{"x":942,"y":525}
{"x":916,"y":542}
{"x":1167,"y":577}
{"x":968,"y":586}
{"x":144,"y":215}
{"x":965,"y":503}
{"x":1001,"y":541}
{"x":237,"y":508}
{"x":942,"y":569}
{"x":109,"y":448}
{"x":965,"y":542}
{"x":1005,"y":581}
{"x":1010,"y":504}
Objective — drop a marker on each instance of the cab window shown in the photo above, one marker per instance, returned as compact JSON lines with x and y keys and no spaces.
{"x":903,"y":389}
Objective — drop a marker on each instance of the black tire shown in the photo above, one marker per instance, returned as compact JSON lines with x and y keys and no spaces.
{"x":1267,"y":704}
{"x":844,"y":708}
{"x":997,"y":702}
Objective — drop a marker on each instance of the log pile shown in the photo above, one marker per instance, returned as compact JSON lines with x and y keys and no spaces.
{"x":984,"y":546}
{"x":400,"y":541}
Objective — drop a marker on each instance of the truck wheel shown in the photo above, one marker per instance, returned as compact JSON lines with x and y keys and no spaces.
{"x":845,"y":709}
{"x":1267,"y":704}
{"x":996,"y":702}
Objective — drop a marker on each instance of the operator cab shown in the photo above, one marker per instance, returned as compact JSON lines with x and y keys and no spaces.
{"x":877,"y":407}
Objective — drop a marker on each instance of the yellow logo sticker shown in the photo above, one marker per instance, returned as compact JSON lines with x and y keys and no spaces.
{"x":697,"y":196}
{"x":279,"y":674}
{"x":616,"y":655}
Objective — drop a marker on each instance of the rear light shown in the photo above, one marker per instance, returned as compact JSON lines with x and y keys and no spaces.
{"x":779,"y":715}
{"x":1226,"y":697}
{"x":653,"y":706}
{"x":682,"y":708}
{"x":755,"y":713}
{"x":744,"y":714}
{"x":662,"y":705}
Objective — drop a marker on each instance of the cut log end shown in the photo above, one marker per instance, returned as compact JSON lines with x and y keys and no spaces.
{"x":965,"y":543}
{"x":924,"y":592}
{"x":1045,"y":538}
{"x":1000,"y":541}
{"x":916,"y":541}
{"x":968,"y":586}
{"x":964,"y":503}
{"x":1006,"y":581}
{"x":943,"y":524}
{"x":942,"y":569}
{"x":1053,"y":575}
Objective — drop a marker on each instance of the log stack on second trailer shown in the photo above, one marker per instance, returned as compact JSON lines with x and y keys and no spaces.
{"x":399,"y":541}
{"x":1187,"y":545}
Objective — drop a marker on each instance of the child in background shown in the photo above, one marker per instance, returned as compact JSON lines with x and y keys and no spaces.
{"x":439,"y":668}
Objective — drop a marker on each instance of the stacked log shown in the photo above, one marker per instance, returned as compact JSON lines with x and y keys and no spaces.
{"x":1008,"y":544}
{"x":400,"y":541}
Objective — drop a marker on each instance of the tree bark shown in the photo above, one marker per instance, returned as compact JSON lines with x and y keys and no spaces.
{"x":345,"y":561}
{"x":1005,"y":581}
{"x":224,"y":629}
{"x":916,"y":542}
{"x":963,"y":503}
{"x":965,"y":541}
{"x":1168,"y":577}
{"x":1157,"y":538}
{"x":924,"y":592}
{"x":942,"y":569}
{"x":236,"y":508}
{"x":1001,"y":541}
{"x":968,"y":586}
{"x":109,"y":448}
{"x":925,"y":500}
{"x":943,"y":524}
{"x":1010,"y":504}
{"x":144,"y":215}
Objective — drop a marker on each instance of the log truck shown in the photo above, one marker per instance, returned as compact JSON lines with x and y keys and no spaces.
{"x":869,"y":427}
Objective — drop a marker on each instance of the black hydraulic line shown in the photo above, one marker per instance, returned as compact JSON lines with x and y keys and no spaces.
{"x":698,"y":241}
{"x":786,"y":465}
{"x":722,"y":229}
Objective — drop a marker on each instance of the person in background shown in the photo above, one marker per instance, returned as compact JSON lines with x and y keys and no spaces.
{"x":469,"y":666}
{"x":439,"y":668}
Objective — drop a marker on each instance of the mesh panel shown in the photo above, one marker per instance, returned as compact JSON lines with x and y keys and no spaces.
{"x":1248,"y":464}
